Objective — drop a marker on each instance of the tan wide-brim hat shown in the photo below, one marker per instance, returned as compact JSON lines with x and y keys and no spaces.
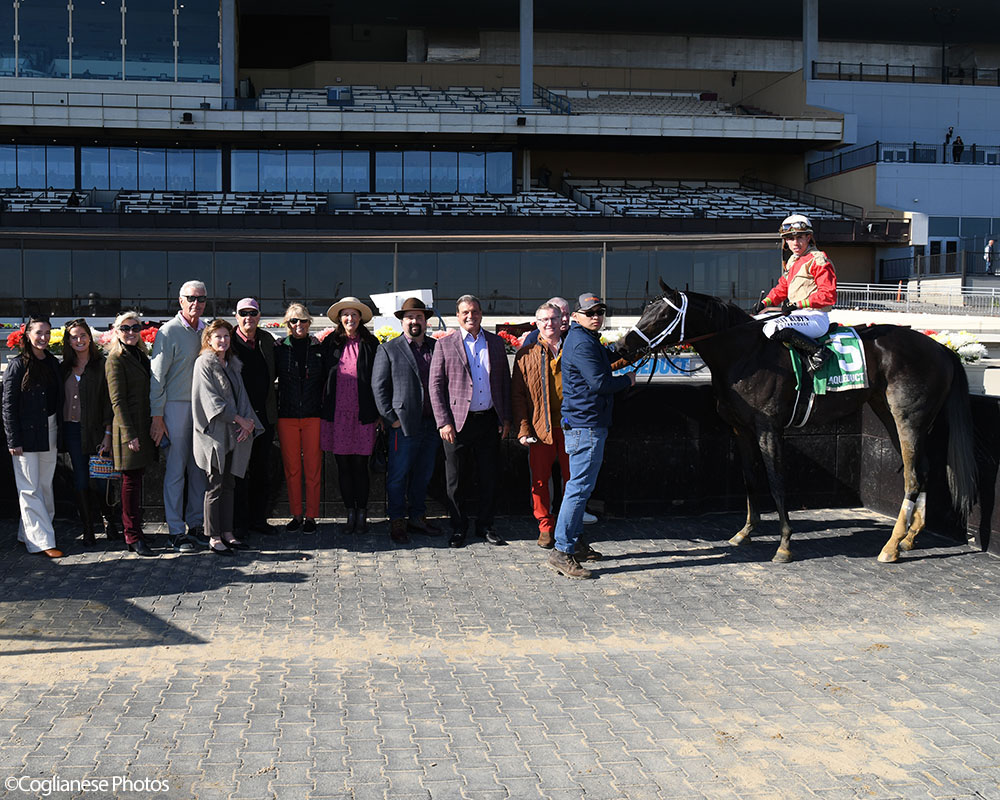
{"x":333,"y":312}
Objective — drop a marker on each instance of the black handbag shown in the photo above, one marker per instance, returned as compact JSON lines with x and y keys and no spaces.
{"x":378,"y":461}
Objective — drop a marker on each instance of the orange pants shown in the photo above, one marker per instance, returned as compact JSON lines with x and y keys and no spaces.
{"x":299,"y":439}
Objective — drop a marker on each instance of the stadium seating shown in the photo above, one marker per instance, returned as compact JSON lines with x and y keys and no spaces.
{"x":43,"y":200}
{"x":456,"y":99}
{"x":129,"y":202}
{"x":706,"y":199}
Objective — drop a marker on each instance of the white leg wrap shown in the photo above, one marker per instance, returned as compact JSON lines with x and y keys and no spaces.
{"x":907,"y":508}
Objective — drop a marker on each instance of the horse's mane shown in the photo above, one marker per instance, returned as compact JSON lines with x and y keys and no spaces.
{"x":723,"y":315}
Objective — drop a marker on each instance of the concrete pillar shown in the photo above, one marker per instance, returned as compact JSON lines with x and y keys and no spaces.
{"x":527,"y":55}
{"x":810,"y":36}
{"x":525,"y":170}
{"x":227,"y":54}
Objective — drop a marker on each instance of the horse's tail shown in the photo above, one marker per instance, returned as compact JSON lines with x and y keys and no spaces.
{"x":961,"y":443}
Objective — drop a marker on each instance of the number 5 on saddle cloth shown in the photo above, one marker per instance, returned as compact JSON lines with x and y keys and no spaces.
{"x":846,"y":370}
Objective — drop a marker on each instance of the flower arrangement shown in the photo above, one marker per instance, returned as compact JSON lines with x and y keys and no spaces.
{"x":511,"y":342}
{"x":611,"y":336}
{"x":967,"y":346}
{"x":15,"y":339}
{"x":386,"y":333}
{"x":441,"y":334}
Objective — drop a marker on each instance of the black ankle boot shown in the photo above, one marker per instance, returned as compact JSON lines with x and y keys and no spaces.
{"x":361,"y":523}
{"x":86,"y":517}
{"x":352,"y":521}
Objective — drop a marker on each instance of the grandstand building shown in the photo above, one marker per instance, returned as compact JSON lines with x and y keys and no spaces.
{"x":308,"y":150}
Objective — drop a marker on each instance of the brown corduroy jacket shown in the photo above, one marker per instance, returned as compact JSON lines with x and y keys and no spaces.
{"x":530,"y":393}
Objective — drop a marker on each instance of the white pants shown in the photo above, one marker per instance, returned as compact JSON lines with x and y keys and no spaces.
{"x":180,"y":461}
{"x":808,"y":321}
{"x":33,"y":474}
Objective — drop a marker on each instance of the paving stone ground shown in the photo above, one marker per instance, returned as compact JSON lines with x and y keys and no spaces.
{"x":338,"y":666}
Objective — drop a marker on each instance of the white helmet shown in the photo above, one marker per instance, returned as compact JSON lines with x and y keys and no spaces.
{"x":796,"y":223}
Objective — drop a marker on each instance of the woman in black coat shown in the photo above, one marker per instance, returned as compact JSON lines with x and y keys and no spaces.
{"x":32,"y":403}
{"x":87,"y":417}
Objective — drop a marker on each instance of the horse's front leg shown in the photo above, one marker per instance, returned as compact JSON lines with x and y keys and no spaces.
{"x":770,"y":443}
{"x":748,"y":451}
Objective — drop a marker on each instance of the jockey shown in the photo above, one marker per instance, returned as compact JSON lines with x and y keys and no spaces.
{"x":806,"y":291}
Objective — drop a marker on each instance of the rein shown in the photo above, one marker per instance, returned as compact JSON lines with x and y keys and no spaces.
{"x":657,"y":341}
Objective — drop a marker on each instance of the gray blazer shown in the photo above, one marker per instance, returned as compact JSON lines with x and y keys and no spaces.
{"x":399,"y":394}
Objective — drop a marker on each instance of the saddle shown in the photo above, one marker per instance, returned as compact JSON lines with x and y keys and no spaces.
{"x":844,"y":370}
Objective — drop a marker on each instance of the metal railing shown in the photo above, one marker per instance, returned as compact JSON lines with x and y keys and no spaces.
{"x":919,"y":297}
{"x":557,"y":103}
{"x":905,"y":152}
{"x":806,"y":198}
{"x":904,"y":73}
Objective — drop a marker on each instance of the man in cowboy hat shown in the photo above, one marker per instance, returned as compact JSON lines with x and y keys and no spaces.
{"x":400,"y":381}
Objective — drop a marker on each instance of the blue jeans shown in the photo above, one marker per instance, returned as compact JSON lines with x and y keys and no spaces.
{"x":585,"y":447}
{"x":411,"y":464}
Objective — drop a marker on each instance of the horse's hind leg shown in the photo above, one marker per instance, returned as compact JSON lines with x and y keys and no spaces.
{"x":748,"y":461}
{"x":910,"y":519}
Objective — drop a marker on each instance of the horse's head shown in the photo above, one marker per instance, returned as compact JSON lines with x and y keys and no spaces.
{"x":661,"y":324}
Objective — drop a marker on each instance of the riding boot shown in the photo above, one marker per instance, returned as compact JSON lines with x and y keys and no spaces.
{"x":86,"y":516}
{"x":814,"y":355}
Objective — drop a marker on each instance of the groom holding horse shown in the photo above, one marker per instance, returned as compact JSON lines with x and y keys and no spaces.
{"x":806,"y":292}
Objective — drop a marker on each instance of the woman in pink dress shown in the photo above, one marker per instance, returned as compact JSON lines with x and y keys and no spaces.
{"x":349,"y":416}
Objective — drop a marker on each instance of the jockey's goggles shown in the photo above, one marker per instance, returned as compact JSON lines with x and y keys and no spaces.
{"x":794,"y":227}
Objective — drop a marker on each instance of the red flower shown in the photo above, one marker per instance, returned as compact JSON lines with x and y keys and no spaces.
{"x":14,"y":339}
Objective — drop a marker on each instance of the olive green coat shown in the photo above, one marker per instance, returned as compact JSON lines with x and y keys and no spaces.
{"x":128,"y":386}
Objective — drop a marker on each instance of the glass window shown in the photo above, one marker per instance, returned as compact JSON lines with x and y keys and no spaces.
{"x":152,"y":169}
{"x":94,"y":168}
{"x":96,"y":282}
{"x":627,"y":280}
{"x":144,"y":282}
{"x":271,"y":170}
{"x":500,"y":288}
{"x":124,"y":167}
{"x":149,"y":36}
{"x":282,"y":281}
{"x":388,"y":171}
{"x":471,"y":173}
{"x":581,"y":272}
{"x":7,"y":40}
{"x":716,"y":272}
{"x":328,"y":277}
{"x":371,"y":273}
{"x":198,"y":26}
{"x":357,"y":168}
{"x":675,"y":267}
{"x":43,"y":26}
{"x":416,"y":271}
{"x":244,"y":170}
{"x":300,"y":171}
{"x":942,"y":226}
{"x":208,"y":170}
{"x":975,"y":226}
{"x":10,"y":274}
{"x":48,"y":288}
{"x":444,"y":172}
{"x":60,"y":169}
{"x":180,"y":170}
{"x":97,"y":39}
{"x":457,"y":274}
{"x":416,"y":171}
{"x":236,"y":275}
{"x":8,"y":166}
{"x":328,"y":175}
{"x":541,"y":278}
{"x":759,"y":271}
{"x":499,"y":173}
{"x":31,"y":166}
{"x":184,"y":266}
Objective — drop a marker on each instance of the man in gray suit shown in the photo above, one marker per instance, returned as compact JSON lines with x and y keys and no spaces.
{"x":400,"y":379}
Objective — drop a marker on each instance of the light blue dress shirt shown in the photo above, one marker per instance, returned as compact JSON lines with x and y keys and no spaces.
{"x":478,"y":355}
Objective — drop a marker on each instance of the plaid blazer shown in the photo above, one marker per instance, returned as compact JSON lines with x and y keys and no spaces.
{"x":451,"y":380}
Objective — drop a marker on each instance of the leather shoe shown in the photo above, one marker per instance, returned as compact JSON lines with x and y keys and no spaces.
{"x":293,"y":524}
{"x":397,"y":531}
{"x":52,"y":552}
{"x":140,"y":548}
{"x":235,"y":543}
{"x":546,"y":539}
{"x":492,"y":537}
{"x":456,"y":540}
{"x":181,"y":544}
{"x":196,"y":535}
{"x":309,"y":526}
{"x":219,"y":548}
{"x":423,"y":525}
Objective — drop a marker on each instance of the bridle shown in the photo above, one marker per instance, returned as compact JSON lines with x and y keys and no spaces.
{"x":652,"y":344}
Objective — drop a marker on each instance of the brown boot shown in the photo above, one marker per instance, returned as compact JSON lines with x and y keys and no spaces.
{"x":423,"y":525}
{"x":565,"y":564}
{"x":397,"y":531}
{"x":546,"y":539}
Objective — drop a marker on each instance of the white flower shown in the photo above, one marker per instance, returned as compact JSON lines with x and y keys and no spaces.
{"x":965,"y":344}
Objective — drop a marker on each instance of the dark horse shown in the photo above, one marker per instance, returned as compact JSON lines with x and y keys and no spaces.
{"x":913,"y":382}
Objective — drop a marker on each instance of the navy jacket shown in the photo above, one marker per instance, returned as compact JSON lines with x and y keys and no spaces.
{"x":587,"y":383}
{"x":24,"y":412}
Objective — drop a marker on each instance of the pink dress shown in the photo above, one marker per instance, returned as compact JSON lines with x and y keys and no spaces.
{"x":346,"y":436}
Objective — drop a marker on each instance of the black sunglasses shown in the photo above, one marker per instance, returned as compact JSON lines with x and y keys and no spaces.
{"x":594,"y":313}
{"x":296,"y":321}
{"x":130,"y":328}
{"x":195,"y":298}
{"x":248,"y":312}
